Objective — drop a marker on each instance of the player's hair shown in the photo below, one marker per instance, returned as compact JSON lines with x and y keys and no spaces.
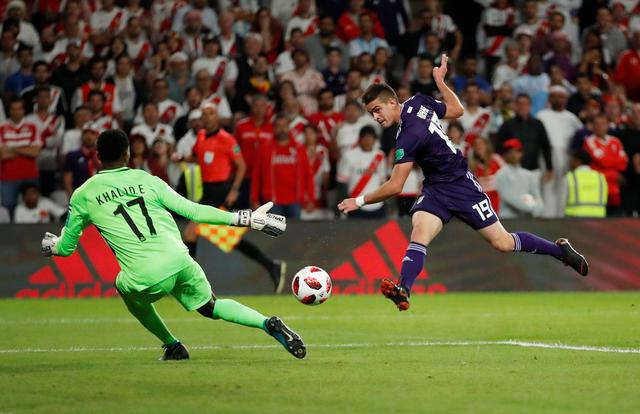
{"x":112,"y":144}
{"x":367,"y":130}
{"x":582,"y":156}
{"x":380,"y":91}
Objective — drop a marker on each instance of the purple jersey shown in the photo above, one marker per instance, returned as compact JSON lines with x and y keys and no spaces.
{"x":420,"y":139}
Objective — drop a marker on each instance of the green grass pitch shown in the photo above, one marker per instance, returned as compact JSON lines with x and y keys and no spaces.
{"x":448,"y":354}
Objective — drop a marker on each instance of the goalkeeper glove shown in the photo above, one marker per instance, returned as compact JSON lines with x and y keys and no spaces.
{"x":49,"y":244}
{"x":271,"y":224}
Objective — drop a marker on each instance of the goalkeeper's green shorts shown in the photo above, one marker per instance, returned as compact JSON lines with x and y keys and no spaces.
{"x":189,"y":286}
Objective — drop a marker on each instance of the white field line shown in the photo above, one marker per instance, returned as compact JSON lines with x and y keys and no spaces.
{"x":413,"y":344}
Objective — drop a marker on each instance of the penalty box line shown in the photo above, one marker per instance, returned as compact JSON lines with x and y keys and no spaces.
{"x":412,"y":344}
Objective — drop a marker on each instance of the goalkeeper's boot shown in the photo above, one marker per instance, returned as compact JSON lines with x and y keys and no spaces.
{"x":278,"y":274}
{"x":570,"y":257}
{"x":396,"y":293}
{"x":283,"y":334}
{"x":174,"y":351}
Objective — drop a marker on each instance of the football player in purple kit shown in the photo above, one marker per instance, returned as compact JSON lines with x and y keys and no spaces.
{"x":449,"y":188}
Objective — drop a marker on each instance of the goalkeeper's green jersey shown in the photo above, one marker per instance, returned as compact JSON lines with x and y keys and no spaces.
{"x":129,"y":208}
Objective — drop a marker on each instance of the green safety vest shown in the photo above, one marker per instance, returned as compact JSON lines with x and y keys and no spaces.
{"x":192,"y":180}
{"x":588,"y":193}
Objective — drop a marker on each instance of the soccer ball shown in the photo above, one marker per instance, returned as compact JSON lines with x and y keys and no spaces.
{"x":311,"y":285}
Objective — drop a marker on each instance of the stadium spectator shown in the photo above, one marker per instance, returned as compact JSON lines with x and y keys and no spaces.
{"x":139,"y":152}
{"x":178,"y":76}
{"x":519,"y":188}
{"x":367,"y":42}
{"x":184,"y":149}
{"x":41,"y":77}
{"x":322,"y":44}
{"x":50,"y":129}
{"x":497,"y":23}
{"x":455,"y":132}
{"x":476,"y":119}
{"x":630,"y":189}
{"x":292,"y":111}
{"x":158,"y":162}
{"x":282,"y":173}
{"x":9,"y":63}
{"x":627,"y":71}
{"x":394,"y":17}
{"x":561,"y":126}
{"x":193,"y":100}
{"x":585,"y":190}
{"x":608,"y":157}
{"x":35,"y":208}
{"x":485,"y":164}
{"x":96,"y":102}
{"x":613,"y":40}
{"x":139,"y":48}
{"x":318,"y":155}
{"x":83,"y":163}
{"x":557,"y":78}
{"x":362,"y":169}
{"x":27,"y":34}
{"x":502,"y":108}
{"x":596,"y":68}
{"x":244,"y":64}
{"x":469,"y":73}
{"x":533,"y":83}
{"x":71,"y":140}
{"x":19,"y":148}
{"x":304,"y":19}
{"x":423,"y":81}
{"x":72,"y":73}
{"x":306,"y":80}
{"x":151,"y":128}
{"x":511,"y":66}
{"x":129,"y":90}
{"x":217,"y":65}
{"x":348,"y":133}
{"x":327,"y":119}
{"x":105,"y":23}
{"x":169,"y":109}
{"x":531,"y":134}
{"x":23,"y":78}
{"x":585,"y":94}
{"x":97,"y":72}
{"x":349,"y":22}
{"x":208,"y":15}
{"x":251,"y":132}
{"x":271,"y":31}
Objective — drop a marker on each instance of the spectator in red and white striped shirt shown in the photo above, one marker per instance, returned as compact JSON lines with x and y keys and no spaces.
{"x":19,"y":147}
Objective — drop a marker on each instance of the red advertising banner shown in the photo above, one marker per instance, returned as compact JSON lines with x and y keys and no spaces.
{"x":357,"y":254}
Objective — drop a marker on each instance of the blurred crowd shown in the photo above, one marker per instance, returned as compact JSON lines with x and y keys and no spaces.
{"x":245,"y":101}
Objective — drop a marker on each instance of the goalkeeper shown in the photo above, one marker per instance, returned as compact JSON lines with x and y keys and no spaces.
{"x":129,"y":208}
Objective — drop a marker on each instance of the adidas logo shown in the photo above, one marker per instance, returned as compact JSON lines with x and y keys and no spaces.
{"x":89,"y":272}
{"x":407,"y":259}
{"x":373,"y":258}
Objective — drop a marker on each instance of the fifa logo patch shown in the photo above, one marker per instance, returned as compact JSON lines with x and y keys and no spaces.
{"x":399,"y":154}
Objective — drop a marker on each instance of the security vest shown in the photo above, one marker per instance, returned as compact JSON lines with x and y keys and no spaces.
{"x":588,"y":193}
{"x":192,"y":180}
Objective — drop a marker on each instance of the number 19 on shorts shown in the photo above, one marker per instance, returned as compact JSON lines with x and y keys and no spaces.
{"x":483,"y":209}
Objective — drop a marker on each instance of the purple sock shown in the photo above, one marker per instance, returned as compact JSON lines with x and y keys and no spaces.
{"x":412,"y":264}
{"x":530,"y":243}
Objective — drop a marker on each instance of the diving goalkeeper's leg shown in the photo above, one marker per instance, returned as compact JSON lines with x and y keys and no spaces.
{"x":149,"y":318}
{"x":231,"y":311}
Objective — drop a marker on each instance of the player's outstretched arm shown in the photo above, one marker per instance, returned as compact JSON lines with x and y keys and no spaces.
{"x":454,"y":106}
{"x":390,"y":188}
{"x":66,"y":244}
{"x":270,"y":224}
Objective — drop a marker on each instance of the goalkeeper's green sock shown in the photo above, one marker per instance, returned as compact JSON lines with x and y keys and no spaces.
{"x":232,"y":311}
{"x":149,"y":318}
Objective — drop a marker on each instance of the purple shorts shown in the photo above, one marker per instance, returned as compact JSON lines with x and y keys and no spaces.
{"x":462,"y":198}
